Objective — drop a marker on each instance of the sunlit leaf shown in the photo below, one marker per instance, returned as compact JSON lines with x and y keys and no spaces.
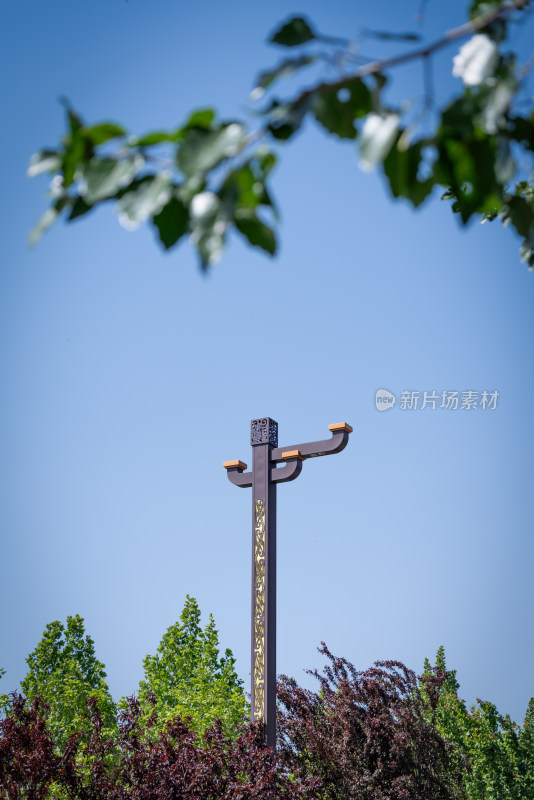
{"x":43,"y":161}
{"x":145,"y":200}
{"x":497,"y":103}
{"x":208,"y":227}
{"x":376,"y":139}
{"x":476,"y":60}
{"x":47,"y":220}
{"x":202,"y":150}
{"x":105,"y":176}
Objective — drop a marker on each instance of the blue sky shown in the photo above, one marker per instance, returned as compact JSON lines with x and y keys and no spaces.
{"x":128,"y":378}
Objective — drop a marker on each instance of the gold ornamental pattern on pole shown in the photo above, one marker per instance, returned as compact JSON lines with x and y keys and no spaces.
{"x":259,"y":612}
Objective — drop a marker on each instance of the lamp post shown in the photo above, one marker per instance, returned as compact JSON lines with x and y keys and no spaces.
{"x":271,"y":465}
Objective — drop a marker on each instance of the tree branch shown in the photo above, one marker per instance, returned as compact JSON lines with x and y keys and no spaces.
{"x":424,"y":52}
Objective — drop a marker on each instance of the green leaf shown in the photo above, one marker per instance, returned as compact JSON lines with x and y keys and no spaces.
{"x":286,"y":119}
{"x":525,"y":189}
{"x":467,"y":158}
{"x":467,"y":167}
{"x":521,"y":214}
{"x":401,"y":167}
{"x":99,"y":134}
{"x":105,"y":176}
{"x":292,"y":33}
{"x":77,"y":148}
{"x":42,"y":225}
{"x":497,"y":29}
{"x":74,"y":119}
{"x":266,"y":161}
{"x":203,"y":150}
{"x":282,"y":70}
{"x":522,"y":131}
{"x":255,"y":231}
{"x":172,"y":222}
{"x":77,"y":151}
{"x":336,"y":109}
{"x":242,"y":187}
{"x":79,"y":209}
{"x":155,"y":137}
{"x":44,"y":161}
{"x":145,"y":200}
{"x":201,"y":118}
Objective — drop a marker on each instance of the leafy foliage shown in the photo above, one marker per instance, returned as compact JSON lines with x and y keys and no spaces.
{"x":187,"y":677}
{"x":365,"y":735}
{"x":497,"y":754}
{"x":64,"y":672}
{"x":477,"y":148}
{"x":176,"y":199}
{"x":372,"y":735}
{"x":136,"y":763}
{"x":28,"y":761}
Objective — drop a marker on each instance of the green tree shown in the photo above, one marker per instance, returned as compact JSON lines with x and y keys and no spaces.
{"x":496,"y":754}
{"x":189,"y":679}
{"x":4,"y":699}
{"x":207,"y":176}
{"x":64,"y":672}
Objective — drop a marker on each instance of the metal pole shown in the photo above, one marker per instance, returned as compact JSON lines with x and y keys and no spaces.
{"x":265,"y":474}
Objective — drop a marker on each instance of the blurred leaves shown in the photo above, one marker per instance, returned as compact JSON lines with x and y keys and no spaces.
{"x":206,"y":177}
